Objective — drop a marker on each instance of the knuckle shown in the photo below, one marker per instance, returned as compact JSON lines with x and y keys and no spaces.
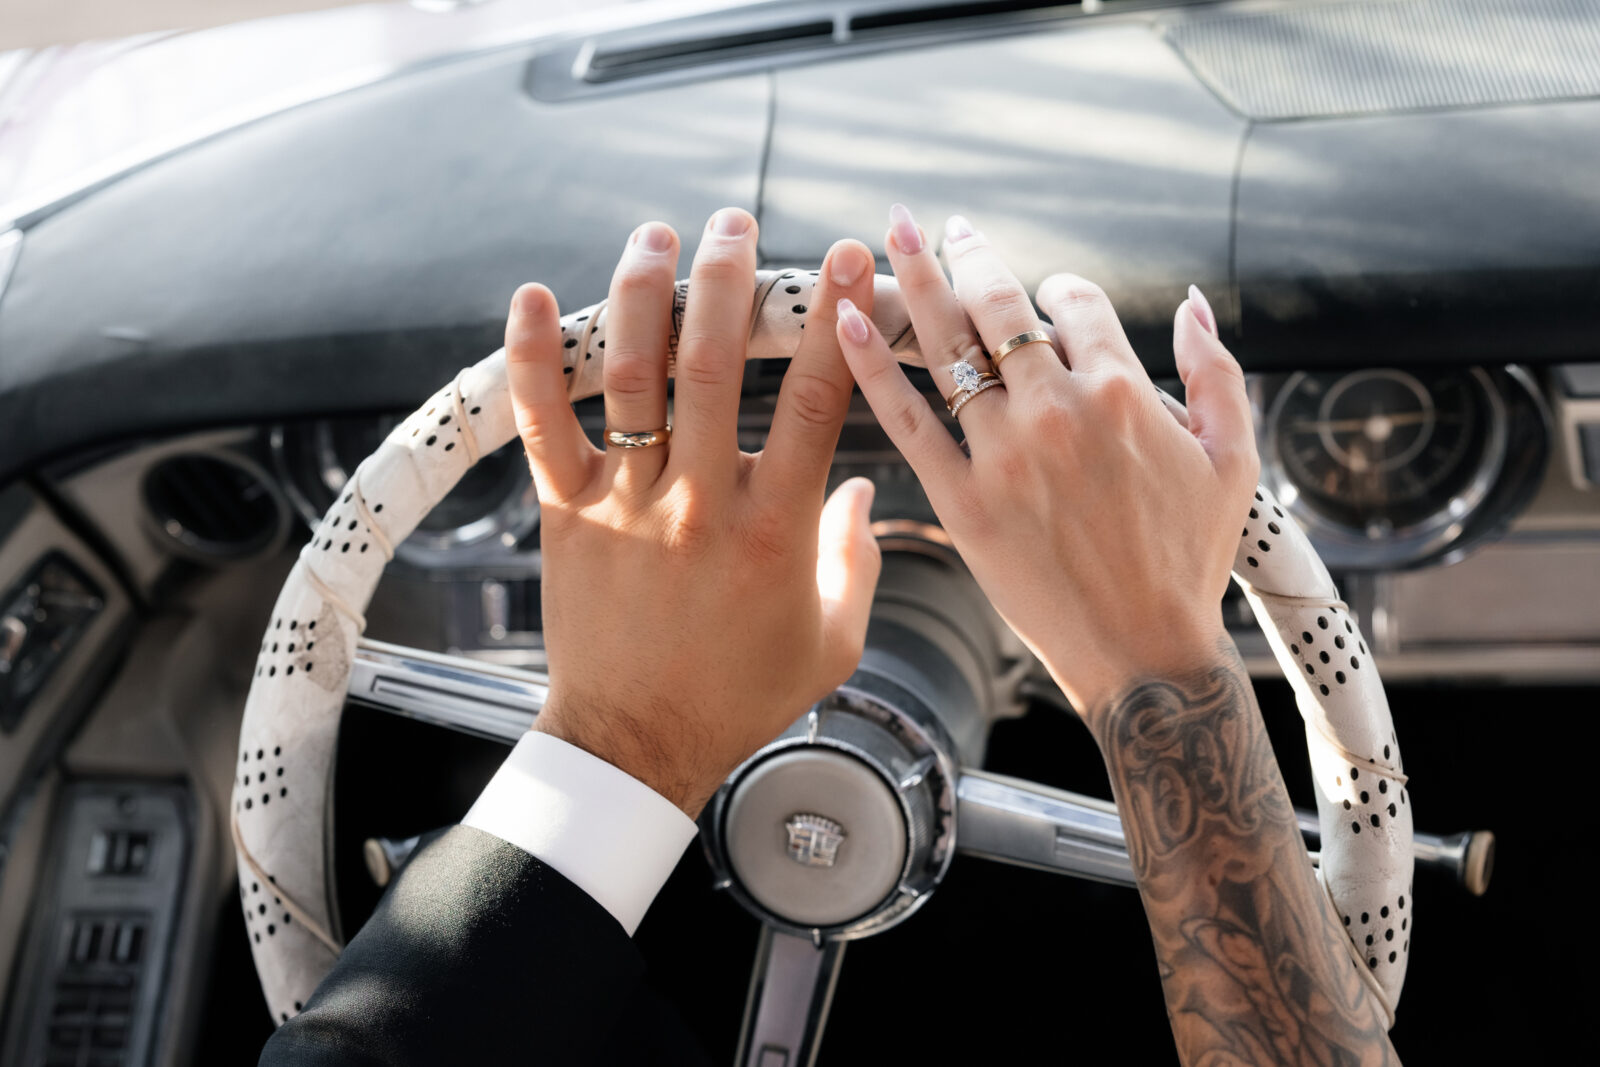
{"x":1118,"y":391}
{"x":639,"y":279}
{"x":631,"y":374}
{"x":816,"y":401}
{"x":1055,"y":421}
{"x":718,"y":266}
{"x":908,"y":419}
{"x":1227,"y":369}
{"x":973,"y":245}
{"x":1068,"y":291}
{"x":923,"y":285}
{"x":690,"y":528}
{"x":709,"y":358}
{"x":1000,"y":300}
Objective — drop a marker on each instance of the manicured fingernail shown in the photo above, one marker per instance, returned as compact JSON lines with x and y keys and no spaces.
{"x":847,"y":264}
{"x":854,"y":323}
{"x":906,"y":235}
{"x":729,"y":222}
{"x":1202,"y":310}
{"x":957,"y":228}
{"x":653,"y":237}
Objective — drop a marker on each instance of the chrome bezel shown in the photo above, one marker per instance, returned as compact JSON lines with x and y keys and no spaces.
{"x":1347,"y":547}
{"x":919,"y":876}
{"x":507,"y":524}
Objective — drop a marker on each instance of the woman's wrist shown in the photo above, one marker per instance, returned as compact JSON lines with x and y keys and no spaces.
{"x":1096,"y":684}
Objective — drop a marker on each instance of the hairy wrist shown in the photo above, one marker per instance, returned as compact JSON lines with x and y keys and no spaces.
{"x":638,"y":746}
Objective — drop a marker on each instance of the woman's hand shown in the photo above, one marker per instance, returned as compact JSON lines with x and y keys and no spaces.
{"x":696,"y":599}
{"x":1101,"y":527}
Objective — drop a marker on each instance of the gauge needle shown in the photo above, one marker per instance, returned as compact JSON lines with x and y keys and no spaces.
{"x":1357,"y":425}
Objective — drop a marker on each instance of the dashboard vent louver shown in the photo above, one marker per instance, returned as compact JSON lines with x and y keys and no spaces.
{"x":212,"y":507}
{"x":615,"y":64}
{"x":762,"y":35}
{"x":902,"y":17}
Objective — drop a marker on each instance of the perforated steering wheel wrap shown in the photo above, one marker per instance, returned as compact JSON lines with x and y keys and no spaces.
{"x":282,"y":798}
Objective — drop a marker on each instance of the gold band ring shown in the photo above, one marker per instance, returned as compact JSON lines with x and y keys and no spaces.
{"x":639,"y":438}
{"x":1032,"y":337}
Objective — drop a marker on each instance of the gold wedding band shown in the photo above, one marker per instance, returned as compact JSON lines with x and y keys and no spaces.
{"x":1032,"y":337}
{"x":638,"y":438}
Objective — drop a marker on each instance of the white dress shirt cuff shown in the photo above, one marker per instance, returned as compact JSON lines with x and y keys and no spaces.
{"x":605,"y":831}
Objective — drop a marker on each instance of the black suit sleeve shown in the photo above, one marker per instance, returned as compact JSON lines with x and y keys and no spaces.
{"x":477,"y":954}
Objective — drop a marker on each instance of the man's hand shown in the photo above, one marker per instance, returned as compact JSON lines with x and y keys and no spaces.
{"x":696,"y":599}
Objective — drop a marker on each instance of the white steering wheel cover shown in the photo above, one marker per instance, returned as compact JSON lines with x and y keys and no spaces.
{"x":283,"y":791}
{"x":1363,"y":809}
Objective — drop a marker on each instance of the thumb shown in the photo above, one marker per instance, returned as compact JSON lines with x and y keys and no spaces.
{"x":847,"y":565}
{"x":1219,"y":407}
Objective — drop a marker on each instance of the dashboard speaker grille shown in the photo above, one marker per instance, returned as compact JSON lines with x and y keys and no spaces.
{"x":212,"y":506}
{"x":1370,"y":58}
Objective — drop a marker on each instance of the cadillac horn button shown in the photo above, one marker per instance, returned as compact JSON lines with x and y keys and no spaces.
{"x":813,"y":840}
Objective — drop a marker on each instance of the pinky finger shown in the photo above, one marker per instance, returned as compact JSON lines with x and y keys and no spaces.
{"x":562,"y":459}
{"x":902,"y":410}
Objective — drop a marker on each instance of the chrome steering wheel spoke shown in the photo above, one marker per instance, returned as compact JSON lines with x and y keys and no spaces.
{"x":1013,"y":821}
{"x":791,"y":990}
{"x":466,"y":695}
{"x":1025,"y":824}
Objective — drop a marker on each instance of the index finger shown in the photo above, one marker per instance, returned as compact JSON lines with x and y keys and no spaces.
{"x":561,"y":457}
{"x":817,"y":388}
{"x":903,"y":412}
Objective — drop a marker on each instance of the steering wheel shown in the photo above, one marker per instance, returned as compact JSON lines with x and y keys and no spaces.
{"x":844,"y":825}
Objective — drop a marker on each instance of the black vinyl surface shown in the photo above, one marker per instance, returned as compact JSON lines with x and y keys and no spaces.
{"x":349,"y":255}
{"x":1012,"y":966}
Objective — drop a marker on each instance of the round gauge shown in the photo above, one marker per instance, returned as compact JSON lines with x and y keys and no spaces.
{"x":494,"y":500}
{"x":1384,"y":453}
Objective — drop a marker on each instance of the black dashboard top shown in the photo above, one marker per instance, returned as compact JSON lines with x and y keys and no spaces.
{"x":350,"y":254}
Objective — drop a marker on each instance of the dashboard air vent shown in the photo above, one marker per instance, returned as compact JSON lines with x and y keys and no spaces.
{"x":763,"y":35}
{"x":618,"y":63}
{"x":895,"y":18}
{"x":212,"y":507}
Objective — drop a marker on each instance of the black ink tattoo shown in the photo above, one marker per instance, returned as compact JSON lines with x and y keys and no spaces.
{"x":1251,"y":954}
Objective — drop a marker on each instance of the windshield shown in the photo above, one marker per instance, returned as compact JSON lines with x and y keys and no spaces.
{"x":70,"y":112}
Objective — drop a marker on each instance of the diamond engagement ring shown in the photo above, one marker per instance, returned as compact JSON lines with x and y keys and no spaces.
{"x":970,"y":381}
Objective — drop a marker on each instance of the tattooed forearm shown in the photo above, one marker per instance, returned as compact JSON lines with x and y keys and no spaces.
{"x":1252,"y":956}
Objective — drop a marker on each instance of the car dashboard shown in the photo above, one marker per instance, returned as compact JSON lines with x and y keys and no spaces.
{"x":196,"y":351}
{"x":1430,"y":493}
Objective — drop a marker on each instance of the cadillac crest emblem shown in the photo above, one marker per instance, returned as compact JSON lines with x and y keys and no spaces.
{"x":813,"y":840}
